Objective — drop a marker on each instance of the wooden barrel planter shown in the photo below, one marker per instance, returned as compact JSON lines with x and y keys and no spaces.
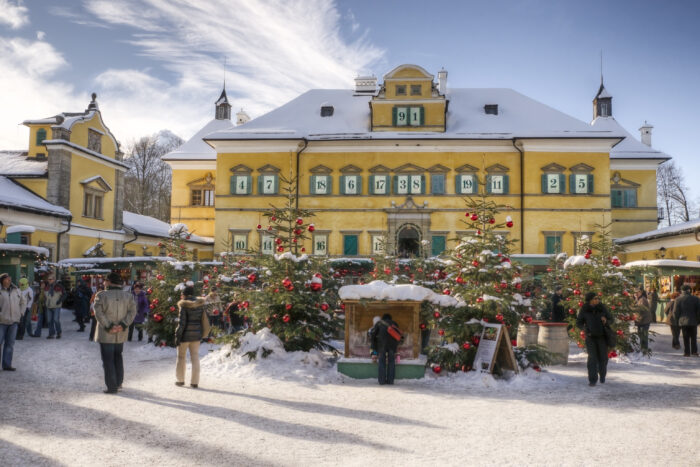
{"x":527,"y":334}
{"x":554,"y":337}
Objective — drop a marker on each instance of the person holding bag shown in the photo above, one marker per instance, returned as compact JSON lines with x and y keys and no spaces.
{"x":193,"y":325}
{"x":592,"y":319}
{"x":675,"y":329}
{"x":384,"y":339}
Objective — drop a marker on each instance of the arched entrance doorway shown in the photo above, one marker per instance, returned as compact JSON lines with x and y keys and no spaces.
{"x":408,"y":242}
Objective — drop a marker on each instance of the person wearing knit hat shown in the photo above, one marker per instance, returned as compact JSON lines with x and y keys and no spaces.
{"x":25,"y":324}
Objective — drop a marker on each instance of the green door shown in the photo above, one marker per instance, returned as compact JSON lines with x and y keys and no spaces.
{"x":438,"y":245}
{"x":553,"y":245}
{"x":350,"y":245}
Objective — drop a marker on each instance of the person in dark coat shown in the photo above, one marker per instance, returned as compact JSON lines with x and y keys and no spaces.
{"x":142,"y":304}
{"x":83,"y":294}
{"x":643,"y":317}
{"x":384,"y":349}
{"x":192,"y":326}
{"x":686,"y":315}
{"x":653,"y":298}
{"x":675,"y":330}
{"x":557,"y":306}
{"x":592,"y":320}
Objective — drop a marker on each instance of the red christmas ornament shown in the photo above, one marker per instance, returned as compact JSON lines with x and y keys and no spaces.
{"x":151,"y":306}
{"x":466,"y":214}
{"x":280,"y":249}
{"x":475,"y":340}
{"x":459,"y":280}
{"x":577,"y":292}
{"x":528,"y":319}
{"x":311,"y":228}
{"x":245,"y":304}
{"x":527,"y":294}
{"x":441,"y":332}
{"x":589,"y":282}
{"x":259,"y":227}
{"x":446,"y":292}
{"x":273,"y":218}
{"x":172,"y":308}
{"x":342,"y":306}
{"x":571,"y":311}
{"x":620,"y":332}
{"x":437,"y":369}
{"x":474,"y":217}
{"x":499,"y":317}
{"x":582,"y":334}
{"x":580,"y":304}
{"x":479,"y":299}
{"x":303,"y":249}
{"x":492,"y":221}
{"x":149,"y":291}
{"x":278,"y":241}
{"x":215,"y":312}
{"x":286,"y":318}
{"x":475,"y":263}
{"x":513,"y":342}
{"x":436,"y":314}
{"x":324,"y":306}
{"x":157,"y":318}
{"x":160,"y":244}
{"x":297,"y":231}
{"x":587,"y":256}
{"x":466,"y":346}
{"x":160,"y":277}
{"x":509,"y":224}
{"x":422,"y":326}
{"x":252,"y":277}
{"x":300,"y":221}
{"x":612,"y":354}
{"x":288,"y":306}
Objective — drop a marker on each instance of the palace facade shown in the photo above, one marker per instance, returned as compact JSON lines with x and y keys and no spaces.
{"x":386,"y":166}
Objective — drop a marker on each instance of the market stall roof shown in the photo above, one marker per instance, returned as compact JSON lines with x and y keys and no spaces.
{"x":146,"y":225}
{"x":673,"y":230}
{"x":89,"y":263}
{"x":379,"y":290}
{"x":668,"y":266}
{"x":90,"y":272}
{"x":15,"y":247}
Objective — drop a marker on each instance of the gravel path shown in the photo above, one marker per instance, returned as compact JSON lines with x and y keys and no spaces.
{"x":54,"y":413}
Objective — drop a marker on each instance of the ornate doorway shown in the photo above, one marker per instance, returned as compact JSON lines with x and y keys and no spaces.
{"x":408,"y":242}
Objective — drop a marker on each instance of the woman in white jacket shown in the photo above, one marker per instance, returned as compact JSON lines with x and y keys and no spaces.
{"x":25,"y":324}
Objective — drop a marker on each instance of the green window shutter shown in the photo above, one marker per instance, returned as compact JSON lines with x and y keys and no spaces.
{"x":342,"y":184}
{"x":422,"y":184}
{"x":438,"y":245}
{"x":249,"y":179}
{"x":371,"y":184}
{"x":488,"y":184}
{"x":350,"y":245}
{"x":358,"y":181}
{"x":437,"y":184}
{"x":630,"y":199}
{"x":393,"y":116}
{"x":396,"y":184}
{"x":312,"y":184}
{"x":40,"y":136}
{"x":277,"y":185}
{"x":506,"y":184}
{"x":458,"y":184}
{"x":329,"y":182}
{"x":544,"y":183}
{"x":551,"y":245}
{"x":260,"y":184}
{"x":590,"y":183}
{"x":562,"y":183}
{"x":422,"y":116}
{"x":233,"y":184}
{"x":572,"y":183}
{"x":616,"y":198}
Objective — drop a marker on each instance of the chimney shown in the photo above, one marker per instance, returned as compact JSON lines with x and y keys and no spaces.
{"x":366,"y":85}
{"x":645,"y":131}
{"x":242,"y":117}
{"x":442,"y":81}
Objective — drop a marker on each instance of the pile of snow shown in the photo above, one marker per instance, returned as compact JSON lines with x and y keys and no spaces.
{"x":576,"y":261}
{"x":288,"y":255}
{"x":380,"y":290}
{"x":177,"y":230}
{"x":313,"y":366}
{"x":39,"y":250}
{"x":181,"y":286}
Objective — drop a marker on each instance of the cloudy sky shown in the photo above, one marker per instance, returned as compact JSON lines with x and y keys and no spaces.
{"x":159,"y":64}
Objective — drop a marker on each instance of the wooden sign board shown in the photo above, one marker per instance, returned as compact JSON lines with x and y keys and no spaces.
{"x":494,"y":347}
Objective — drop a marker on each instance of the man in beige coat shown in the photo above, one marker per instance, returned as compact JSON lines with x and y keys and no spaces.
{"x":115,"y":309}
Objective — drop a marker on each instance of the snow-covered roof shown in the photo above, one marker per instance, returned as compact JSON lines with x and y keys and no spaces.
{"x":518,"y":116}
{"x":146,"y":225}
{"x":630,"y":147}
{"x":19,"y":228}
{"x":92,"y":262}
{"x":39,"y":250}
{"x":63,"y":120}
{"x":669,"y":263}
{"x":13,"y":195}
{"x":677,"y":229}
{"x":16,"y":163}
{"x":195,"y":148}
{"x":379,"y":290}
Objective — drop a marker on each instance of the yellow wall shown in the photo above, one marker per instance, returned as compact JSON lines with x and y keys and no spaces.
{"x":632,"y":221}
{"x":33,"y":148}
{"x":81,"y":169}
{"x":79,"y":244}
{"x":199,"y":219}
{"x":79,"y":135}
{"x":691,"y":253}
{"x":37,"y":185}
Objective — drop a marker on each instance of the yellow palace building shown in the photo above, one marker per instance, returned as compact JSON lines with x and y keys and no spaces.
{"x":66,"y":193}
{"x":393,"y":161}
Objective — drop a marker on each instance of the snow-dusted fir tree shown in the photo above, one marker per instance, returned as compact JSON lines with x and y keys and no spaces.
{"x":480,"y":275}
{"x":289,"y":296}
{"x":597,"y":270}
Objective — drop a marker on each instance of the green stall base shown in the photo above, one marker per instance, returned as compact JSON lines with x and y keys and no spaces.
{"x":364,"y":368}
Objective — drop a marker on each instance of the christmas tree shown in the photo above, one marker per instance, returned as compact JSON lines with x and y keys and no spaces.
{"x":290,"y":296}
{"x":481,"y":276}
{"x":597,"y":270}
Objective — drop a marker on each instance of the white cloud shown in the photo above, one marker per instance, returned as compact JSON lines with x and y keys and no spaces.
{"x":13,"y":14}
{"x":40,"y":35}
{"x":275,"y":50}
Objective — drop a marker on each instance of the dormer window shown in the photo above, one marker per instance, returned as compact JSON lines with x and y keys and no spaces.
{"x":326,"y":110}
{"x":491,"y":109}
{"x":400,"y":89}
{"x":40,"y":136}
{"x":416,"y":89}
{"x":94,"y":140}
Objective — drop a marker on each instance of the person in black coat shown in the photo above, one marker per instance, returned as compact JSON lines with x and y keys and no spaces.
{"x":557,"y":306}
{"x":192,"y":326}
{"x":384,"y":349}
{"x":593,"y":318}
{"x":686,"y":315}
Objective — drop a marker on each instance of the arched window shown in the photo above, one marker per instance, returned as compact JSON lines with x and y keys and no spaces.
{"x":40,"y":136}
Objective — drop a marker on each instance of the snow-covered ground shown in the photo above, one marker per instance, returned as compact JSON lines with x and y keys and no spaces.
{"x":297,"y":410}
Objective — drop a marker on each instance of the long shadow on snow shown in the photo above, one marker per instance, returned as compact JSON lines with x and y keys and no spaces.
{"x":275,"y":426}
{"x":314,"y":407}
{"x":9,"y":451}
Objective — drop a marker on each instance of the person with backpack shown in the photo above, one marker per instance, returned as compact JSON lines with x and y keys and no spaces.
{"x":385,"y":336}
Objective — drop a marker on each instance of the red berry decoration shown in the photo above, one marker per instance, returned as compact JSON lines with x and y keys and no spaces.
{"x":259,"y":227}
{"x":474,"y":217}
{"x":324,"y":306}
{"x":446,"y":292}
{"x":288,"y":306}
{"x":297,"y":231}
{"x":303,"y":249}
{"x":157,"y":318}
{"x":492,"y":221}
{"x":252,"y":277}
{"x":580,"y":304}
{"x":436,"y":314}
{"x":278,"y":241}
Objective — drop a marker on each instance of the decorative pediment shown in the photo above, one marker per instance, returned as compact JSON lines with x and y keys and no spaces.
{"x":206,"y":181}
{"x":581,"y":168}
{"x":268,"y":169}
{"x":408,"y":71}
{"x":497,"y":169}
{"x":408,"y":204}
{"x":466,"y":168}
{"x":553,"y":168}
{"x":96,"y":183}
{"x":351,"y":169}
{"x":380,"y":169}
{"x":241,"y":169}
{"x":623,"y":183}
{"x":321,"y":169}
{"x":409,"y":168}
{"x":438,"y":168}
